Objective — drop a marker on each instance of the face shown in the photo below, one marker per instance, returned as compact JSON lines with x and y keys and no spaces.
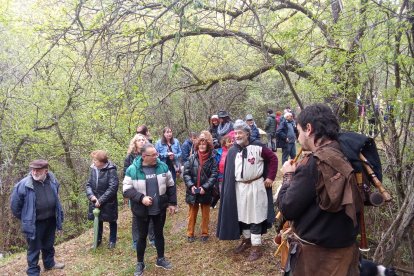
{"x":39,"y":174}
{"x":304,"y":138}
{"x":202,"y":145}
{"x":229,"y":143}
{"x":140,"y":142}
{"x":150,"y":157}
{"x":289,"y":117}
{"x":250,"y":122}
{"x":168,"y":134}
{"x":98,"y":163}
{"x":215,"y":122}
{"x":194,"y":139}
{"x":241,"y":137}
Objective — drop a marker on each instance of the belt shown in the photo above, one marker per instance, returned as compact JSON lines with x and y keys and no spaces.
{"x":250,"y":181}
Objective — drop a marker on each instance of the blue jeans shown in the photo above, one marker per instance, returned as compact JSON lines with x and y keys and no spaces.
{"x":288,"y":151}
{"x":113,"y":229}
{"x":44,"y":241}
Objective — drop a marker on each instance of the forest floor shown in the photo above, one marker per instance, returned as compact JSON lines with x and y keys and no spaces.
{"x":212,"y":258}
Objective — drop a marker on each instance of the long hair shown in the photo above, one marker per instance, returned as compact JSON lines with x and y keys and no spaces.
{"x":132,"y":148}
{"x":163,"y":139}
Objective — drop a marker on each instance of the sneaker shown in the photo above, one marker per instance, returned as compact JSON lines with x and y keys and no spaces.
{"x":162,"y":262}
{"x":56,"y":266}
{"x":111,"y":245}
{"x":204,"y":239}
{"x":152,"y":243}
{"x":190,"y":239}
{"x":140,"y":269}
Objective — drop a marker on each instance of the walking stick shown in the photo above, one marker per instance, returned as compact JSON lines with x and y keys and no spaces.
{"x":96,"y":212}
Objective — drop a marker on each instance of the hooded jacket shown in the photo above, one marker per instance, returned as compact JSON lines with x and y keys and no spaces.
{"x":103,"y":184}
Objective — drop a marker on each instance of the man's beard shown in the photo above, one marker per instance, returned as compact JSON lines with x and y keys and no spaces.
{"x":39,"y":178}
{"x":241,"y":142}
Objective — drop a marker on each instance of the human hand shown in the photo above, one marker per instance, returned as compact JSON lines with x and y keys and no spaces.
{"x":147,"y":201}
{"x":288,"y":167}
{"x":171,"y":155}
{"x":202,"y":192}
{"x":97,"y":204}
{"x":192,"y":190}
{"x":172,"y":209}
{"x":93,"y":199}
{"x":268,"y":183}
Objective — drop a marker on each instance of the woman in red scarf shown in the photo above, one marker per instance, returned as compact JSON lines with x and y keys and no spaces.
{"x":200,"y":175}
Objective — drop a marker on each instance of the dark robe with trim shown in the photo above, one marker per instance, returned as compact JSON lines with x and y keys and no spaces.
{"x":228,"y":227}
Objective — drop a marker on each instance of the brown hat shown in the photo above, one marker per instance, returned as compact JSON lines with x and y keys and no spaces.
{"x":39,"y":164}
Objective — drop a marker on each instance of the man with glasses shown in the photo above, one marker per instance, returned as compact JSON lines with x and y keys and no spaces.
{"x":149,"y":185}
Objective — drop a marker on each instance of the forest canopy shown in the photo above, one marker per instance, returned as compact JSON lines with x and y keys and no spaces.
{"x":81,"y":75}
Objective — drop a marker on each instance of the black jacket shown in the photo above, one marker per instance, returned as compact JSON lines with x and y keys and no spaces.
{"x":208,"y":178}
{"x":103,"y":184}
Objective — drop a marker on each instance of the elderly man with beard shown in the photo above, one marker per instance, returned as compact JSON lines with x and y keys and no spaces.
{"x":246,"y":208}
{"x":35,"y":202}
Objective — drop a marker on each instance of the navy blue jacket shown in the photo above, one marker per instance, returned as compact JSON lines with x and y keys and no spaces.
{"x":186,"y":150}
{"x":255,"y":135}
{"x":23,"y":204}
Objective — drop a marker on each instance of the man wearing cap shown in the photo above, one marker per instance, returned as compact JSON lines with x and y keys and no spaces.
{"x":255,"y":135}
{"x":35,"y":202}
{"x":225,"y":126}
{"x":246,"y":204}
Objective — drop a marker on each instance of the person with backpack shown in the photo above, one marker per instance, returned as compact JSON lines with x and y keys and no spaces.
{"x":320,"y":197}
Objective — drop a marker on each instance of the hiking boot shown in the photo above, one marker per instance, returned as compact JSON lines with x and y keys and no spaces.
{"x":162,"y":262}
{"x":56,"y":266}
{"x":245,"y":244}
{"x":191,"y":239}
{"x":111,"y":245}
{"x":255,"y":253}
{"x":140,"y":269}
{"x":204,"y":239}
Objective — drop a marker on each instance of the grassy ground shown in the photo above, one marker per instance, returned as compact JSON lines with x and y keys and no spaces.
{"x":212,"y":258}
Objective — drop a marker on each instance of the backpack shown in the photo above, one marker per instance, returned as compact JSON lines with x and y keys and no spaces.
{"x":369,"y":170}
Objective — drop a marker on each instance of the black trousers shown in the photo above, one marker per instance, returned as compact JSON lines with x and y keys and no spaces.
{"x":143,"y":223}
{"x":44,"y":241}
{"x":151,"y":235}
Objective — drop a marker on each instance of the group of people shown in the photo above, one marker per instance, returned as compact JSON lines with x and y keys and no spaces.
{"x":228,"y":160}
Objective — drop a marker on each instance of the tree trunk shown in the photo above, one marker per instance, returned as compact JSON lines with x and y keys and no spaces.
{"x":395,"y":235}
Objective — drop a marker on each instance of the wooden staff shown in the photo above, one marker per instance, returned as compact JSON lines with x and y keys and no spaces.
{"x":363,"y":244}
{"x":377,"y":182}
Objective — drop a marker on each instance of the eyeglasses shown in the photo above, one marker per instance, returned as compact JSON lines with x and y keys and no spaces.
{"x":152,"y":155}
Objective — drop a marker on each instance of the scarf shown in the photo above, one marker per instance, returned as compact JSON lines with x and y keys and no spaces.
{"x":202,"y":157}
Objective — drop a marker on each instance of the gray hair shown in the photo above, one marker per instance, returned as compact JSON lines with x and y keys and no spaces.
{"x":242,"y":125}
{"x":146,"y":147}
{"x":287,"y":114}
